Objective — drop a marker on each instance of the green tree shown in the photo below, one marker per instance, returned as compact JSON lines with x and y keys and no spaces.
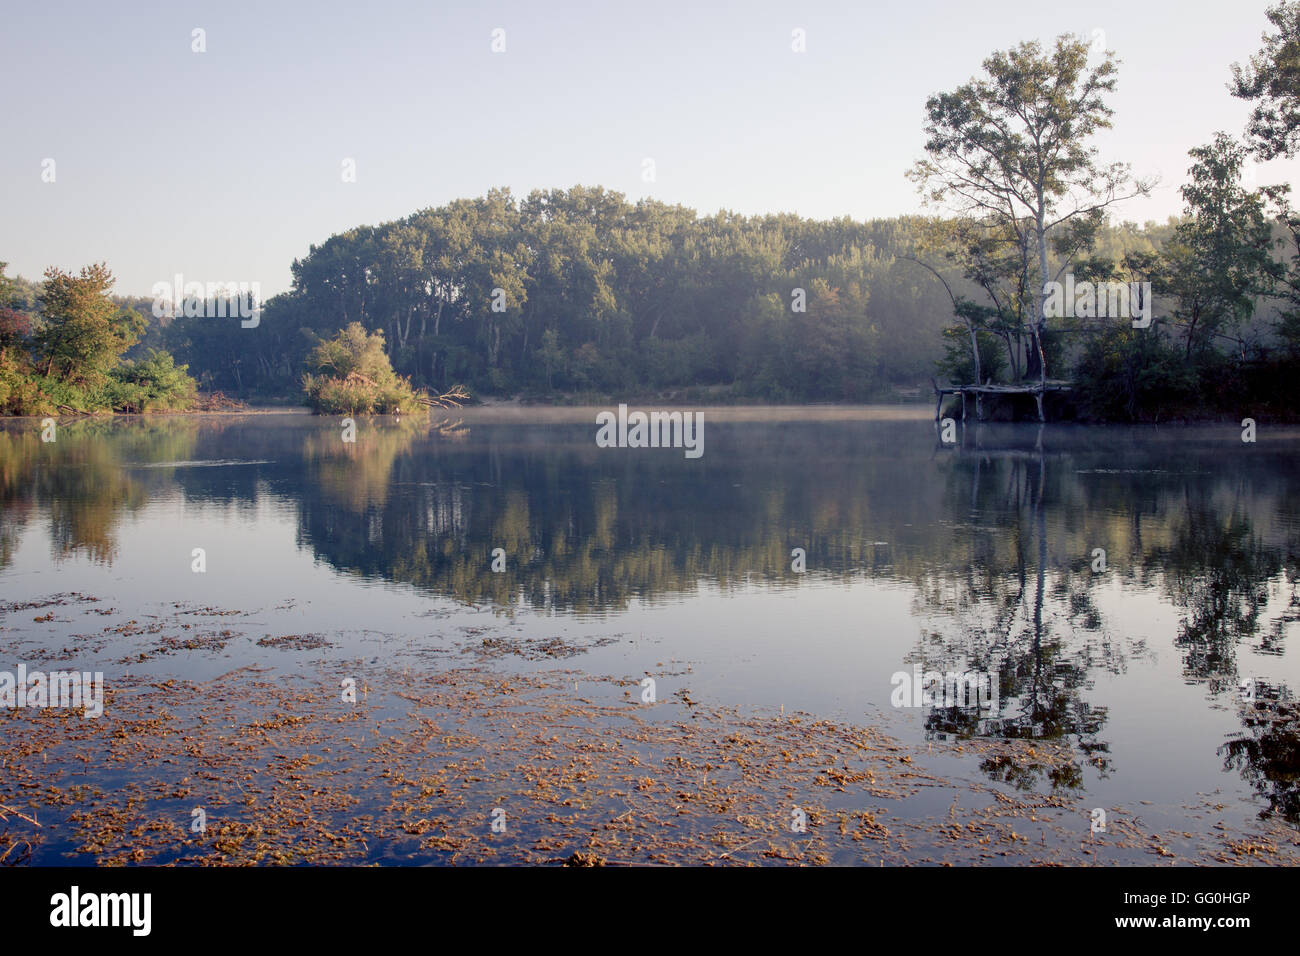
{"x":352,"y":350}
{"x":1272,"y":81}
{"x":551,"y":355}
{"x":1128,"y":374}
{"x":83,"y":332}
{"x":350,"y":373}
{"x":156,"y":382}
{"x":1219,"y":262}
{"x":14,"y":325}
{"x":1011,"y":151}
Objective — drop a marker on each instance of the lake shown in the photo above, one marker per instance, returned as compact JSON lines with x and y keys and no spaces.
{"x":1129,"y":594}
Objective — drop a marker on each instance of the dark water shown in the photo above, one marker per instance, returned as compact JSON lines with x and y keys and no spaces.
{"x":978,"y":557}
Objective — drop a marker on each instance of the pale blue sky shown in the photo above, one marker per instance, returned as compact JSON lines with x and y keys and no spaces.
{"x":226,"y":165}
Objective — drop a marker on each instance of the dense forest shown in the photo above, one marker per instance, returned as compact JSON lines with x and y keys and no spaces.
{"x":579,"y":294}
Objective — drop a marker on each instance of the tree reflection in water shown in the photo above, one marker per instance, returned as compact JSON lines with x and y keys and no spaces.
{"x":994,"y":538}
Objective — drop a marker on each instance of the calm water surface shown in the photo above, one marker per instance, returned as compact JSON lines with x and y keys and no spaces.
{"x":974,"y":557}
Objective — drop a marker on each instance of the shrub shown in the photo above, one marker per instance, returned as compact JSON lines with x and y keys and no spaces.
{"x":351,"y":374}
{"x":1127,"y":374}
{"x":155,"y":382}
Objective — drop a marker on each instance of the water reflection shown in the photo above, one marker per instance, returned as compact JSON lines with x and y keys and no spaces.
{"x":1267,"y":753}
{"x":1032,"y":624}
{"x":80,"y":484}
{"x":996,"y":538}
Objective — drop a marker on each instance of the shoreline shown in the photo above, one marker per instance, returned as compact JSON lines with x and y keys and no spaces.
{"x":507,"y":409}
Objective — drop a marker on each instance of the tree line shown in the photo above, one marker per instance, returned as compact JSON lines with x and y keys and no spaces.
{"x":582,"y":292}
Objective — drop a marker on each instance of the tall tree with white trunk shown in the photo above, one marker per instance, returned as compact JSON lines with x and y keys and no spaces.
{"x":1011,"y":152}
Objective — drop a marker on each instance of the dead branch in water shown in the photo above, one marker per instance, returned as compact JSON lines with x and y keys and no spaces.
{"x":219,"y":401}
{"x":457,"y":396}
